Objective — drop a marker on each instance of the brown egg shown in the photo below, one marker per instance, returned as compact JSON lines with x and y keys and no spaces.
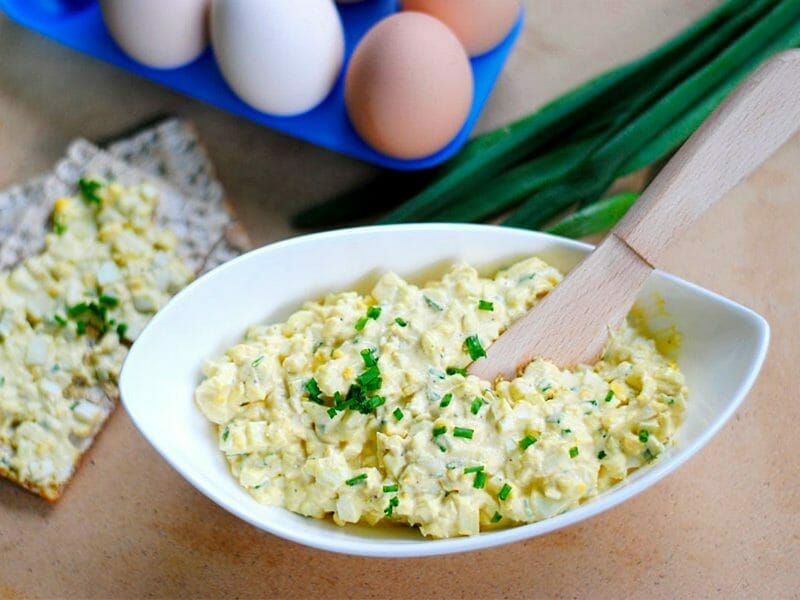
{"x":409,"y":86}
{"x":479,"y":24}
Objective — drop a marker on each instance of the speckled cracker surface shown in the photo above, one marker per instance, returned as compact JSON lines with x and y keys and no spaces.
{"x":192,"y":205}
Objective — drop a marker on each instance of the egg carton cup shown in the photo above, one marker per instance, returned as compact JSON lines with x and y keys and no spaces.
{"x":78,"y":24}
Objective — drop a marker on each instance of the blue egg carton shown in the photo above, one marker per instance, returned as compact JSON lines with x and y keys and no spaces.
{"x":79,"y":25}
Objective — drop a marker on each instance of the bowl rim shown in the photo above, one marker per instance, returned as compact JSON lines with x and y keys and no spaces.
{"x":388,"y":548}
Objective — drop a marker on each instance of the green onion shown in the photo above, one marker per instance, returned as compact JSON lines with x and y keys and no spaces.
{"x":648,"y":455}
{"x":369,"y":358}
{"x":446,"y":400}
{"x":257,"y":361}
{"x":374,"y":402}
{"x":480,"y":480}
{"x":573,"y":452}
{"x":122,"y":329}
{"x":88,"y":189}
{"x":373,"y":312}
{"x":496,"y":518}
{"x":456,"y":371}
{"x":331,"y":412}
{"x":109,"y":301}
{"x":437,"y":431}
{"x":475,"y":407}
{"x":433,"y":304}
{"x":504,"y":492}
{"x":370,"y":379}
{"x":77,"y":309}
{"x":393,"y":503}
{"x":401,"y":322}
{"x":595,"y":218}
{"x":80,"y":327}
{"x":609,"y":396}
{"x":463,"y":432}
{"x":59,"y":227}
{"x":475,"y":469}
{"x":361,"y":323}
{"x":473,"y":347}
{"x":601,"y":455}
{"x":485,"y":305}
{"x":526,"y":442}
{"x":356,"y":480}
{"x":60,"y":320}
{"x":566,"y":431}
{"x":225,"y":434}
{"x":390,"y":488}
{"x":313,"y":390}
{"x":398,"y":414}
{"x":644,"y":435}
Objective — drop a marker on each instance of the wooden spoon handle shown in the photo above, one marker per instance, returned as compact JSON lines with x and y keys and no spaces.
{"x":756,"y":119}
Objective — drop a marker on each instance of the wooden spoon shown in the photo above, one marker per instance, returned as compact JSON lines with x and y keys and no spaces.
{"x":570,"y":325}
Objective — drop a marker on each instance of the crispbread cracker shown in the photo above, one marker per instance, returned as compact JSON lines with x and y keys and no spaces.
{"x":192,"y":204}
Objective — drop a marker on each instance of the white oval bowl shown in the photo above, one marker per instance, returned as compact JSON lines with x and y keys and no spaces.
{"x":723,"y":347}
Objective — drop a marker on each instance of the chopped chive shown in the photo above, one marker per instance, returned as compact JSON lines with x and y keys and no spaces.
{"x":485,"y":305}
{"x":361,"y":323}
{"x":573,"y":452}
{"x":433,"y":304}
{"x":527,"y":441}
{"x":496,"y":517}
{"x":332,"y":412}
{"x":88,"y":189}
{"x":59,"y":227}
{"x":566,"y":431}
{"x":122,"y":328}
{"x":437,"y":431}
{"x":463,"y":432}
{"x":398,"y":414}
{"x":375,"y":402}
{"x":60,"y":320}
{"x":356,"y":480}
{"x":601,"y":455}
{"x":80,"y":327}
{"x":446,"y":400}
{"x":480,"y":480}
{"x":648,"y":455}
{"x":73,"y":405}
{"x":504,"y":491}
{"x":475,"y":469}
{"x":313,"y":390}
{"x":475,"y":407}
{"x":370,"y":359}
{"x":393,"y":502}
{"x":401,"y":322}
{"x":546,"y":388}
{"x":644,"y":435}
{"x":257,"y":361}
{"x":390,"y":488}
{"x":593,"y":402}
{"x":77,"y":309}
{"x":474,"y":347}
{"x":609,"y":395}
{"x":225,"y":434}
{"x":373,"y":312}
{"x":370,"y":379}
{"x":109,"y":301}
{"x":456,"y":371}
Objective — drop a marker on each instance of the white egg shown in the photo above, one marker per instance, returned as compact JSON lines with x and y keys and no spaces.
{"x":158,"y":34}
{"x":282,"y":56}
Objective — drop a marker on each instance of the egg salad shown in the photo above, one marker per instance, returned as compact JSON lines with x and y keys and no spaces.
{"x":67,"y":316}
{"x":359,"y":407}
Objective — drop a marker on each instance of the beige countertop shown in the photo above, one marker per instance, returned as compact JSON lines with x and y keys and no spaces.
{"x":726,"y":524}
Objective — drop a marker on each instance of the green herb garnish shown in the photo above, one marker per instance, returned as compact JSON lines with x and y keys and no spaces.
{"x":257,"y":361}
{"x":475,"y":407}
{"x":332,"y":412}
{"x":485,"y":305}
{"x":609,"y":395}
{"x":59,"y":227}
{"x":398,"y":414}
{"x":356,"y":480}
{"x":601,"y":455}
{"x":80,"y":327}
{"x":496,"y":518}
{"x":463,"y":432}
{"x":373,"y":312}
{"x":433,"y":304}
{"x":474,"y":347}
{"x":390,"y":488}
{"x":393,"y":502}
{"x":480,"y":480}
{"x":446,"y":400}
{"x":60,"y":320}
{"x":437,"y":431}
{"x":313,"y":390}
{"x":361,"y":323}
{"x":109,"y":301}
{"x":88,"y":189}
{"x":504,"y":491}
{"x":225,"y":434}
{"x":122,"y":329}
{"x":573,"y":452}
{"x":644,"y":435}
{"x":456,"y":371}
{"x":401,"y":322}
{"x":77,"y":309}
{"x":527,"y":441}
{"x":369,"y":358}
{"x":475,"y":469}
